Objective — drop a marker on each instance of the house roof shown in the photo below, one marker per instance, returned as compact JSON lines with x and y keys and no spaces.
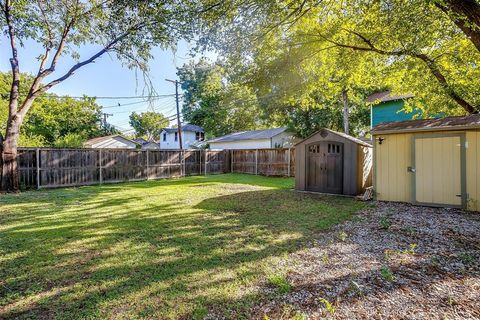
{"x":140,"y":140}
{"x":187,"y":127}
{"x":442,"y":124}
{"x":143,"y":141}
{"x":341,"y":134}
{"x":386,"y":96}
{"x":93,"y":141}
{"x":250,"y":135}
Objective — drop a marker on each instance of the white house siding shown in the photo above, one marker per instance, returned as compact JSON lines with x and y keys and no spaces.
{"x":115,"y":143}
{"x":242,"y":144}
{"x":188,"y":138}
{"x":283,"y":140}
{"x":150,"y":146}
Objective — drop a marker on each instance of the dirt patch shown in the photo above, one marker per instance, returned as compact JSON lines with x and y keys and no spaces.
{"x":392,"y":261}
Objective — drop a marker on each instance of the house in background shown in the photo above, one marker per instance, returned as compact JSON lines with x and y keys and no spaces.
{"x":147,"y":145}
{"x":112,"y":142}
{"x":386,"y":107}
{"x":191,"y":135}
{"x":256,"y":139}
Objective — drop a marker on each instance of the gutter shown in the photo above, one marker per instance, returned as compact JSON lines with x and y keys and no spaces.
{"x":425,"y":129}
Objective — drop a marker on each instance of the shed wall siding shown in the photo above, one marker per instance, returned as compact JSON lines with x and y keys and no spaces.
{"x":392,"y":181}
{"x":115,"y":143}
{"x":283,"y":140}
{"x":473,"y":169}
{"x":242,"y":144}
{"x":353,"y":163}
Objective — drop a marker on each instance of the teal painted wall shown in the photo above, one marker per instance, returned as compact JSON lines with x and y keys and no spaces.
{"x":391,"y":111}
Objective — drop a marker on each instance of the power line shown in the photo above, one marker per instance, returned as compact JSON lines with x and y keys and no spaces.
{"x":132,"y":103}
{"x":54,"y":96}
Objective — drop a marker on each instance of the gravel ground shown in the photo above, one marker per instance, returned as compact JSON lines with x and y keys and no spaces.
{"x":393,"y":261}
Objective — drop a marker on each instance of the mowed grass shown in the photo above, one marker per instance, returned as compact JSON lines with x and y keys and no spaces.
{"x":159,"y":249}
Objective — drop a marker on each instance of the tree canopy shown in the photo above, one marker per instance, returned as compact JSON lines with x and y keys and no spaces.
{"x":54,"y":120}
{"x":148,"y":124}
{"x":218,"y":104}
{"x":413,"y":46}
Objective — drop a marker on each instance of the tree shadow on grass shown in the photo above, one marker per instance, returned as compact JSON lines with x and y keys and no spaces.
{"x":98,"y":256}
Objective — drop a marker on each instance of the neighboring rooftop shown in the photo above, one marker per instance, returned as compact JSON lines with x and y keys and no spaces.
{"x":386,"y":96}
{"x":250,"y":135}
{"x":105,"y":138}
{"x":140,"y":140}
{"x":448,"y":123}
{"x":186,"y":127}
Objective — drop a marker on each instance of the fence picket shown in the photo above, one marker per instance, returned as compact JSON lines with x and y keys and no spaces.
{"x":50,"y":168}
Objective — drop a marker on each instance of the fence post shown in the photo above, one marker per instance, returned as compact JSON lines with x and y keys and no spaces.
{"x":288,"y":157}
{"x":231,"y":160}
{"x":37,"y":155}
{"x":205,"y":160}
{"x":256,"y":161}
{"x":183,"y":161}
{"x":100,"y":165}
{"x":148,"y":164}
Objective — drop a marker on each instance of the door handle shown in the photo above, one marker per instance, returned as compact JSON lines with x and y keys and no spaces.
{"x":458,"y":195}
{"x":411,"y":169}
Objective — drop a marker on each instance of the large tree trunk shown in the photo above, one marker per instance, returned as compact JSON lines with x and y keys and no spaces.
{"x":10,"y":177}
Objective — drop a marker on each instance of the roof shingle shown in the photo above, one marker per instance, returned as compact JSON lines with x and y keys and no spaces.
{"x":386,"y":96}
{"x":250,"y":135}
{"x":454,"y":123}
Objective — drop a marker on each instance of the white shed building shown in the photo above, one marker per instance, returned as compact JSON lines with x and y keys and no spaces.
{"x":256,"y":139}
{"x":112,"y":142}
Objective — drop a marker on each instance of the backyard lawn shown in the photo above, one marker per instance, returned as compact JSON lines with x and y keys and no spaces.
{"x":174,"y":248}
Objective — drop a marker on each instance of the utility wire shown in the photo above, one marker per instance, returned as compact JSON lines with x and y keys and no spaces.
{"x":54,"y":96}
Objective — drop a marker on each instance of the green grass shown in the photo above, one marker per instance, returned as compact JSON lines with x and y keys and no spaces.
{"x":157,"y":249}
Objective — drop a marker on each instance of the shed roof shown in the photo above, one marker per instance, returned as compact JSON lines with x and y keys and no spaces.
{"x":441,"y":124}
{"x":386,"y":96}
{"x":93,"y":141}
{"x":250,"y":135}
{"x":341,"y":134}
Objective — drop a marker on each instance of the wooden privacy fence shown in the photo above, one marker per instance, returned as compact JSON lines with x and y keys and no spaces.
{"x":267,"y":162}
{"x":52,"y":168}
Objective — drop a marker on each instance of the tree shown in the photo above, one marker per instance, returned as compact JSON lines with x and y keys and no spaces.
{"x":416,"y":46}
{"x":53,"y":117}
{"x":148,"y":124}
{"x":126,"y":28}
{"x":215,"y":101}
{"x":466,"y":15}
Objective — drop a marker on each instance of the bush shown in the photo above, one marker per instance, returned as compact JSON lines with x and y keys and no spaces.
{"x":70,"y":140}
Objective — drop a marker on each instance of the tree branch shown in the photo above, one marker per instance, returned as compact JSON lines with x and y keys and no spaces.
{"x":79,"y":65}
{"x":466,"y":15}
{"x":431,"y":64}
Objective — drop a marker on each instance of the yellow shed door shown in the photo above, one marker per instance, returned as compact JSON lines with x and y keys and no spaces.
{"x":438,"y":170}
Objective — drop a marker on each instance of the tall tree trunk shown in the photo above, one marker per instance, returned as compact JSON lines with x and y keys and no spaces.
{"x":10,"y":177}
{"x":346,"y":112}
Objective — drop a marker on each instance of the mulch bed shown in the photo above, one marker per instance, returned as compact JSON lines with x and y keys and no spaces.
{"x":393,"y":261}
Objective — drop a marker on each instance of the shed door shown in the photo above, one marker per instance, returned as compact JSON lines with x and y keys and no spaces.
{"x":438,"y":170}
{"x":325,"y":167}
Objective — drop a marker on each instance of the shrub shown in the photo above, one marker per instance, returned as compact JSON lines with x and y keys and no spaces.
{"x":387,"y":274}
{"x":280,"y":282}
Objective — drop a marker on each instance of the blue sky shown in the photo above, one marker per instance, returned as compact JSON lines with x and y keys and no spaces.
{"x":107,"y":77}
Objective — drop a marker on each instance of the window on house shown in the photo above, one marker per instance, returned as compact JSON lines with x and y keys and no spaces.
{"x":176,"y":136}
{"x":164,"y":137}
{"x":199,"y":136}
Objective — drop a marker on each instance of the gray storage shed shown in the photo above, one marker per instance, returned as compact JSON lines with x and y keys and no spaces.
{"x":333,"y":162}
